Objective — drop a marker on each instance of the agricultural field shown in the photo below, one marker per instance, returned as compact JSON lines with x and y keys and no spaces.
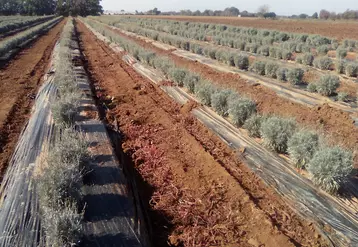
{"x":177,"y":131}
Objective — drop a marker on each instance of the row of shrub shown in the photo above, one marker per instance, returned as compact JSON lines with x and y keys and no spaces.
{"x":13,"y":42}
{"x":60,"y":182}
{"x":350,"y":68}
{"x":175,"y":27}
{"x":329,"y":166}
{"x":6,"y":26}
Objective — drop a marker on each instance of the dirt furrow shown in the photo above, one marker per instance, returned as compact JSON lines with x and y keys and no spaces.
{"x":20,"y":80}
{"x":194,"y":200}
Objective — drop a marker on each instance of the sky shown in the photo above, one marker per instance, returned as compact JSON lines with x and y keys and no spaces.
{"x":280,"y":7}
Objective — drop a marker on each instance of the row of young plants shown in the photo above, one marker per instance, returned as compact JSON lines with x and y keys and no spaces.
{"x":60,"y":182}
{"x":328,"y":166}
{"x":285,"y":51}
{"x":15,"y":41}
{"x":11,"y":24}
{"x":271,"y":69}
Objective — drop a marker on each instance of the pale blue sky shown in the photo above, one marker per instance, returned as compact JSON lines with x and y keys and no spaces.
{"x":282,"y":7}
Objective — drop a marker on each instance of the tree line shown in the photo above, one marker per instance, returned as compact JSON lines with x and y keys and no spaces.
{"x":49,"y":7}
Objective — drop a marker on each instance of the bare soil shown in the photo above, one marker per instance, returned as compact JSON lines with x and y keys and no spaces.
{"x":336,"y":125}
{"x":20,"y":81}
{"x":337,"y":29}
{"x":201,"y":194}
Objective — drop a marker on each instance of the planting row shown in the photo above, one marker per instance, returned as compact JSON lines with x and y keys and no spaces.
{"x":59,"y":185}
{"x":15,"y":41}
{"x":286,"y":51}
{"x":15,"y":23}
{"x":329,"y":166}
{"x":271,"y":69}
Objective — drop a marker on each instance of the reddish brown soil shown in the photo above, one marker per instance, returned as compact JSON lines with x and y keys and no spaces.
{"x":338,"y":126}
{"x":336,"y":29}
{"x":208,"y":195}
{"x":20,"y":80}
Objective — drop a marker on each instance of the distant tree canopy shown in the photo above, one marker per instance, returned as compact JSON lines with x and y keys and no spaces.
{"x":347,"y":15}
{"x":47,"y":7}
{"x":230,"y":11}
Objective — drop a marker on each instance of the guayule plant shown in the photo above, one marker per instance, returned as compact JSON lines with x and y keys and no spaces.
{"x":276,"y":132}
{"x":271,"y":69}
{"x":253,"y":125}
{"x":190,"y":81}
{"x":323,"y":50}
{"x":328,"y":85}
{"x":241,"y":109}
{"x":323,"y":63}
{"x":330,"y":168}
{"x":258,"y":67}
{"x":341,"y":53}
{"x":219,"y":101}
{"x":341,"y":66}
{"x":342,"y":96}
{"x":281,"y":74}
{"x":241,"y":61}
{"x":178,"y":75}
{"x":203,"y":91}
{"x":302,"y":146}
{"x":351,"y":69}
{"x":295,"y":76}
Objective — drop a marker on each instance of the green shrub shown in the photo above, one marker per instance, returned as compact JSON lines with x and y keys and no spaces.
{"x":281,"y":74}
{"x":328,"y":85}
{"x":271,"y":69}
{"x":190,"y":81}
{"x":295,"y":76}
{"x":341,"y":66}
{"x":241,"y":109}
{"x":323,"y":50}
{"x":342,"y":96}
{"x":203,"y":91}
{"x":253,"y":125}
{"x":299,"y":59}
{"x":258,"y":67}
{"x":302,"y":146}
{"x":307,"y":59}
{"x":196,"y":48}
{"x":241,"y":61}
{"x":312,"y":87}
{"x":341,"y":53}
{"x":286,"y":54}
{"x":177,"y":75}
{"x":164,"y":64}
{"x":323,"y":63}
{"x":330,"y":168}
{"x":264,"y":50}
{"x":276,"y":132}
{"x":351,"y":69}
{"x":219,"y":101}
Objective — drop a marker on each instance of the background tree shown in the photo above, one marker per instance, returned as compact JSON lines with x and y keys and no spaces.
{"x":324,"y":14}
{"x":315,"y":15}
{"x":263,"y":9}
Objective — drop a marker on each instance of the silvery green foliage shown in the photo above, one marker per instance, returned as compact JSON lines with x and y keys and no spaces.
{"x":341,"y":53}
{"x":341,"y":66}
{"x":330,"y":168}
{"x":281,"y":74}
{"x":241,"y":109}
{"x":302,"y":146}
{"x":271,"y":69}
{"x":328,"y":85}
{"x":323,"y":50}
{"x":312,"y":87}
{"x":62,"y":227}
{"x":190,"y":81}
{"x":295,"y":76}
{"x":241,"y":61}
{"x":164,"y":64}
{"x":258,"y":67}
{"x":276,"y":132}
{"x":253,"y":125}
{"x":323,"y":63}
{"x":203,"y":91}
{"x":286,"y":54}
{"x":307,"y":59}
{"x":178,"y":75}
{"x":219,"y":101}
{"x":351,"y":69}
{"x":342,"y":96}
